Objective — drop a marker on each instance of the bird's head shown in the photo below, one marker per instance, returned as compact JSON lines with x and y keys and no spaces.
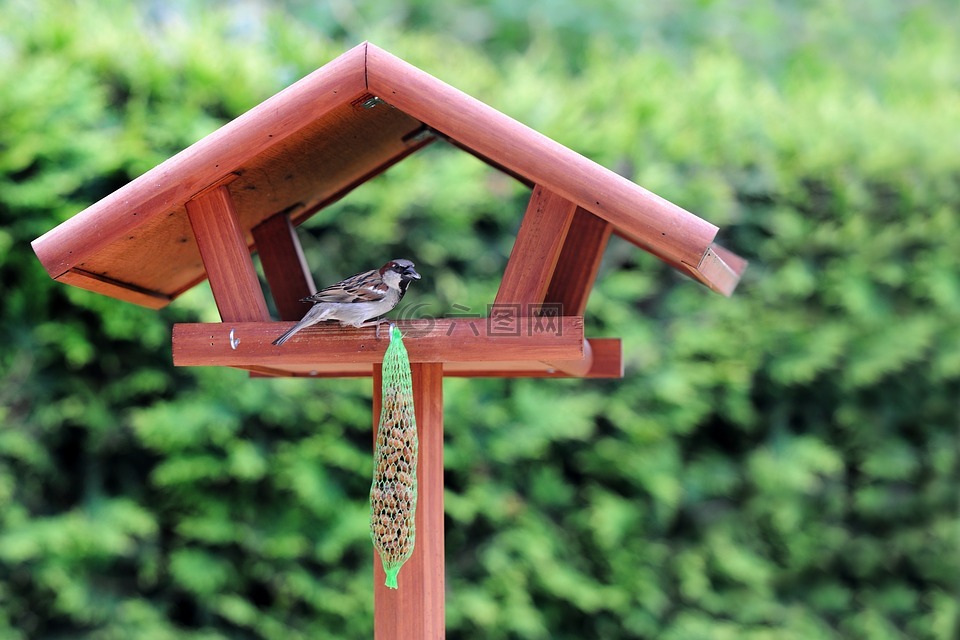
{"x":402,"y":268}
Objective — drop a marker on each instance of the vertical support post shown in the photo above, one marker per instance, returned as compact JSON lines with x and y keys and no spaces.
{"x":416,"y":609}
{"x":226,"y":257}
{"x":284,"y":265}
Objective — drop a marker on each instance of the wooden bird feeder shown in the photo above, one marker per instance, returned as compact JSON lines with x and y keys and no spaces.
{"x":246,"y":186}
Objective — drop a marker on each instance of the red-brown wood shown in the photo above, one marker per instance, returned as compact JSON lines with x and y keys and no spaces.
{"x":579,"y":262}
{"x":723,"y":269}
{"x":536,"y":249}
{"x":416,"y":608}
{"x":226,"y":258}
{"x":321,"y":137}
{"x":414,"y":140}
{"x":308,"y":146}
{"x":607,"y":363}
{"x":427,"y":340}
{"x":667,"y":230}
{"x":604,"y":356}
{"x":532,"y":263}
{"x":284,"y":265}
{"x":203,"y":163}
{"x":120,"y":290}
{"x":577,"y":367}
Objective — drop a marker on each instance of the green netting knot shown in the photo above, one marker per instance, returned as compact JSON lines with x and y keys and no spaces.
{"x":393,"y":493}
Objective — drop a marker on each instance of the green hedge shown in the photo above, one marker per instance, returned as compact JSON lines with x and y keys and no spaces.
{"x":781,"y":464}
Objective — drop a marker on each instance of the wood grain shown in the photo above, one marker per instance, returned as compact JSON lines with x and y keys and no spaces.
{"x":427,"y":340}
{"x":533,"y":262}
{"x":226,"y":258}
{"x":579,"y":263}
{"x":154,"y":193}
{"x":313,"y":142}
{"x":607,"y":363}
{"x":120,"y":290}
{"x":722,"y":268}
{"x":284,"y":265}
{"x":536,"y":250}
{"x":668,"y":230}
{"x":416,"y":608}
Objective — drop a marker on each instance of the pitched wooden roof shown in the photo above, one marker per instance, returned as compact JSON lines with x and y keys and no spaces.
{"x":318,"y":139}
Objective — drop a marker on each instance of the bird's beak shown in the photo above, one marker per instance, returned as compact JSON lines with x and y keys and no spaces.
{"x":410,"y":274}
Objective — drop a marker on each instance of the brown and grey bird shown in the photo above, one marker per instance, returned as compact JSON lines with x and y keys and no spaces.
{"x":358,"y":298}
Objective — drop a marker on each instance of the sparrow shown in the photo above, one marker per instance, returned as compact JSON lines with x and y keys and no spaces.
{"x":358,"y":298}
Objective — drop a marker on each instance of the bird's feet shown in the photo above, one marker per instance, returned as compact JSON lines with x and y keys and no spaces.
{"x":375,"y":323}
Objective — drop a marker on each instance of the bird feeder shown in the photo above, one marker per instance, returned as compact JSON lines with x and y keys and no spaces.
{"x":245,"y":187}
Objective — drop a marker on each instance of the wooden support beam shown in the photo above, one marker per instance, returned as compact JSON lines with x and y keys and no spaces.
{"x":722,"y":269}
{"x":248,"y":344}
{"x":576,"y":368}
{"x":666,"y":229}
{"x":533,"y":263}
{"x":226,"y":258}
{"x":536,"y":249}
{"x":284,"y":265}
{"x":607,"y":363}
{"x":416,"y":608}
{"x":579,"y":262}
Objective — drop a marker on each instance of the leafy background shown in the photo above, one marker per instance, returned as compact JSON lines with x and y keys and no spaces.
{"x":782,"y":464}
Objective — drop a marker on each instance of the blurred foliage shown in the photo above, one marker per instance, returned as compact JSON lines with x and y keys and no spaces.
{"x":782,"y":464}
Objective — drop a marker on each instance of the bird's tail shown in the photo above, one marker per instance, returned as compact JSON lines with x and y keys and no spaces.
{"x":287,"y":335}
{"x":316,"y":314}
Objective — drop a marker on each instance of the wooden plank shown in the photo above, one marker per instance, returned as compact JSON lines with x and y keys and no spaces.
{"x":577,"y":367}
{"x":721,"y":277}
{"x":120,"y":290}
{"x":413,"y":142}
{"x":603,"y":358}
{"x":669,"y":231}
{"x":226,"y":258}
{"x":284,"y":265}
{"x":579,"y":263}
{"x":607,"y":358}
{"x":204,"y":163}
{"x":532,"y":264}
{"x":427,"y":340}
{"x":607,"y":363}
{"x":416,"y":608}
{"x":311,"y":143}
{"x":308,"y":170}
{"x":722,"y":269}
{"x":536,"y":249}
{"x":313,"y":167}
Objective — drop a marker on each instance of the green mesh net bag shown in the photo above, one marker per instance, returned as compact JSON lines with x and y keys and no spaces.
{"x":393,"y":494}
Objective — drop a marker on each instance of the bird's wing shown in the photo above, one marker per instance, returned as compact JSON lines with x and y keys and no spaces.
{"x":362,"y":287}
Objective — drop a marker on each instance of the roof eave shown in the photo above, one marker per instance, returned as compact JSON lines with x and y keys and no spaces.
{"x":204,"y":163}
